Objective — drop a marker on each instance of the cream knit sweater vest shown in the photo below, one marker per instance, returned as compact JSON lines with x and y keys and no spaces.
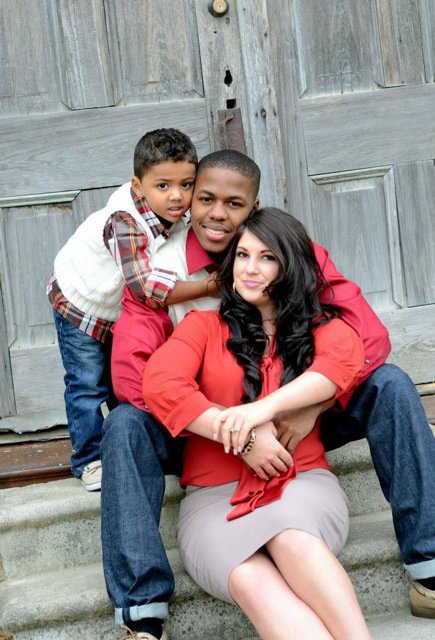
{"x":86,"y":270}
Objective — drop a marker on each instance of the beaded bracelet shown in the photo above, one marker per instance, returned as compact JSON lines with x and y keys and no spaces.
{"x":250,"y":444}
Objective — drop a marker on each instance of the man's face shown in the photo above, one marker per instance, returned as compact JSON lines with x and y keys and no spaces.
{"x":222,"y":200}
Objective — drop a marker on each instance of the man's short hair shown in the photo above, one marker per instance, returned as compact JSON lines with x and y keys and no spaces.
{"x":234,"y":161}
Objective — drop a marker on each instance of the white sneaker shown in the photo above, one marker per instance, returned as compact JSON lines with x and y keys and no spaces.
{"x":91,"y":476}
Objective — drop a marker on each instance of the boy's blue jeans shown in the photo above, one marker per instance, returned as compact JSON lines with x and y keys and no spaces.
{"x":87,"y":387}
{"x":137,"y":451}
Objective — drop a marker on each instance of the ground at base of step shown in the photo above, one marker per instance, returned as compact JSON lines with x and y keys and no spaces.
{"x":390,"y":626}
{"x":401,"y":624}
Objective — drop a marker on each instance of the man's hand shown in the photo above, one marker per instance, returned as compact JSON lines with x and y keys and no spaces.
{"x":268,"y":458}
{"x":294,"y":426}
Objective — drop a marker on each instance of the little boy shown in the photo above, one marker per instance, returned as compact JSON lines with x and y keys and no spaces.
{"x":112,"y":248}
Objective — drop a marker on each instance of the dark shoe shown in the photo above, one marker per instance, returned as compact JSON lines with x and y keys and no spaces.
{"x":143,"y":635}
{"x":422,"y":601}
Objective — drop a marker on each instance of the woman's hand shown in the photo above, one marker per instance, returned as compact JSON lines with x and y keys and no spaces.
{"x":268,"y":458}
{"x":233,"y":425}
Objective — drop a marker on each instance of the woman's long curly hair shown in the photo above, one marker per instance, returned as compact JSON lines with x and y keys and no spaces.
{"x":295,"y":292}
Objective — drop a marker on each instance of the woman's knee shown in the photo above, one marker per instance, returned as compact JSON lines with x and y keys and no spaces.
{"x":245,"y":581}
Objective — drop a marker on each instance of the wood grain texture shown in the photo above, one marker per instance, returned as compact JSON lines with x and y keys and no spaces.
{"x":158,"y":49}
{"x":28,"y":68}
{"x":355,"y":217}
{"x":283,"y":36}
{"x":412,"y":333}
{"x":7,"y":400}
{"x":38,"y":378}
{"x":369,"y":129}
{"x":95,"y":147}
{"x":400,"y":41}
{"x":338,"y":47}
{"x":87,"y":67}
{"x":427,"y":16}
{"x":415,"y":188}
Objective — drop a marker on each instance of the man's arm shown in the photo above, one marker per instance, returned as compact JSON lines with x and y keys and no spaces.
{"x":355,"y":311}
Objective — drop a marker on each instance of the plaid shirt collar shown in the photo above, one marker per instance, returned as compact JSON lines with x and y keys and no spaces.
{"x":153,"y":221}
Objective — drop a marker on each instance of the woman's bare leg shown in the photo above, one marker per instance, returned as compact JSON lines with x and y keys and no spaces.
{"x":270,"y":604}
{"x":315,"y":575}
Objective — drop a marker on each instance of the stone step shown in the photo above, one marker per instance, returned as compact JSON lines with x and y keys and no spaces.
{"x":56,"y":525}
{"x":49,"y":526}
{"x":66,"y":601}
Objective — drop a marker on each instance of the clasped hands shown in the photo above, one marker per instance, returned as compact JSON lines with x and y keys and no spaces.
{"x":276,"y":439}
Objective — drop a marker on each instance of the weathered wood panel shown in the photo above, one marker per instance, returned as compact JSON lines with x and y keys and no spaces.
{"x":400,"y":41}
{"x":95,"y":147}
{"x":87,"y":67}
{"x":262,"y":107}
{"x":234,"y":50}
{"x":412,"y":333}
{"x":32,"y":234}
{"x":415,"y":188}
{"x":7,"y":400}
{"x":338,"y":46}
{"x":427,"y":15}
{"x":369,"y":129}
{"x":355,"y":217}
{"x":26,"y":84}
{"x":38,"y":378}
{"x":283,"y":40}
{"x":159,"y":50}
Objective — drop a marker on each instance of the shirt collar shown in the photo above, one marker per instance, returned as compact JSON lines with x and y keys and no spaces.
{"x":156,"y":226}
{"x":197,"y":257}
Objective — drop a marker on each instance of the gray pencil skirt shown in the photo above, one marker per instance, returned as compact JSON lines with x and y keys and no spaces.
{"x":211,"y":546}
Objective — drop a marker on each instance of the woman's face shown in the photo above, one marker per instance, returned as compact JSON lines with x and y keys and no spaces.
{"x":255,"y":268}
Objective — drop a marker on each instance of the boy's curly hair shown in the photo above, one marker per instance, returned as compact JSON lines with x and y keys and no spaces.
{"x":161,"y":145}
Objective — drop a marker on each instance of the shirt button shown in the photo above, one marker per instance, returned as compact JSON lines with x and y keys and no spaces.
{"x":367,"y":361}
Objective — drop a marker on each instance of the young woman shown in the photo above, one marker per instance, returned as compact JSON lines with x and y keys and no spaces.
{"x":258,"y":526}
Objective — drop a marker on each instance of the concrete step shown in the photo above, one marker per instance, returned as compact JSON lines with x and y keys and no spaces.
{"x":54,"y":525}
{"x":71,"y":599}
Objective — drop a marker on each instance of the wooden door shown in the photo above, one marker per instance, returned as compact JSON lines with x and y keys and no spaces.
{"x":356,"y":96}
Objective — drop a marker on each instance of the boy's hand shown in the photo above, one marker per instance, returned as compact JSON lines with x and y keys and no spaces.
{"x":212,"y":287}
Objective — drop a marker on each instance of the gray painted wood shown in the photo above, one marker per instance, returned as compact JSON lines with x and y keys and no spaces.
{"x":222,"y":68}
{"x":38,"y":378}
{"x":87,"y":67}
{"x":415,"y":187}
{"x":427,"y":16}
{"x":337,"y":46}
{"x":401,"y":42}
{"x":234,"y":49}
{"x":369,"y":129}
{"x":262,"y":106}
{"x":355,"y":217}
{"x":159,"y":50}
{"x":7,"y":400}
{"x":412,"y":333}
{"x":95,"y":148}
{"x":283,"y":28}
{"x":26,"y":39}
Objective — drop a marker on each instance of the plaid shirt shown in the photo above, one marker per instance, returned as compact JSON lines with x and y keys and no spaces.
{"x":128,"y":245}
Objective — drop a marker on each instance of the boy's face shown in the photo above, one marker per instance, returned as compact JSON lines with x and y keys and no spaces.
{"x":222,"y":200}
{"x":167,"y":187}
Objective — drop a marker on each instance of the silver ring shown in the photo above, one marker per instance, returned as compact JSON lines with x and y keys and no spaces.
{"x":234,"y":430}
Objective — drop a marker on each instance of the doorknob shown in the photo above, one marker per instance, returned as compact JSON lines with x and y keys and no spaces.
{"x":218,"y":8}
